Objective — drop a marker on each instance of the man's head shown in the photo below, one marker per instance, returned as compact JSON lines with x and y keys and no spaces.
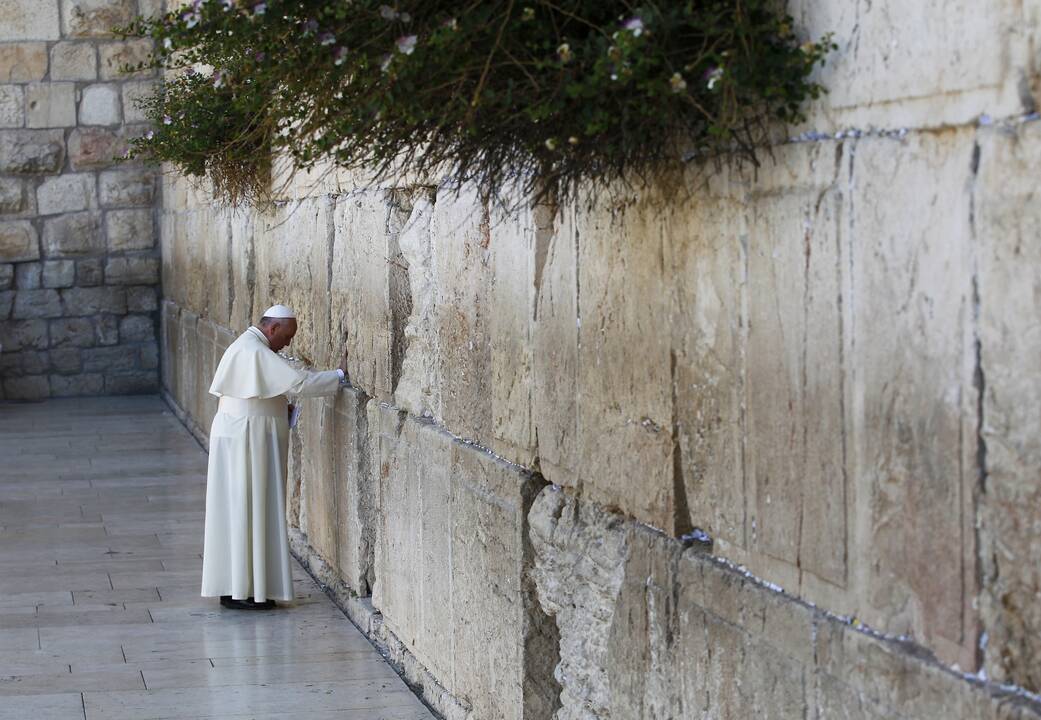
{"x":278,"y":331}
{"x":278,"y":326}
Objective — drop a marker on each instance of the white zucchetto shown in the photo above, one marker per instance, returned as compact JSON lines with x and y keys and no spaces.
{"x":279,"y":311}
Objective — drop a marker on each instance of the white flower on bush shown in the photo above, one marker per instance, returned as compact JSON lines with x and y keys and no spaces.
{"x":677,"y":83}
{"x":564,"y":52}
{"x":406,"y":44}
{"x":633,"y":25}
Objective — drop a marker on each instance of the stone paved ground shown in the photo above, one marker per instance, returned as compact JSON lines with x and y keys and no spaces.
{"x":101,"y":515}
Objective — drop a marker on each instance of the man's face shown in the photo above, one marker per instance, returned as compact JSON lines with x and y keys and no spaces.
{"x":280,"y":333}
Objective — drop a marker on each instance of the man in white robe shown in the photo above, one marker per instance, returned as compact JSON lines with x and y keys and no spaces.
{"x":245,"y":558}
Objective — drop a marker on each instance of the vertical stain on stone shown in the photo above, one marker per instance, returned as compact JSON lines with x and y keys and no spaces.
{"x":543,"y":214}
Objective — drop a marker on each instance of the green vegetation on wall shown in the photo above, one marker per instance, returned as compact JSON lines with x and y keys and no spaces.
{"x":552,"y":94}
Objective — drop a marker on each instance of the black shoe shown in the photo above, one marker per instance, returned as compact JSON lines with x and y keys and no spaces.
{"x":248,"y":604}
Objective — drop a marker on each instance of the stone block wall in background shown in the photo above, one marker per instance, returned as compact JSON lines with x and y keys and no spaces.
{"x":79,"y":259}
{"x":829,"y":365}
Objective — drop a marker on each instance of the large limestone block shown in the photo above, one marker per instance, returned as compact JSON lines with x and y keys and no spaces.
{"x":12,"y":106}
{"x":555,"y":351}
{"x":95,"y":147}
{"x":18,"y":242}
{"x":49,"y":105}
{"x":292,"y":255}
{"x":319,"y":490}
{"x":414,"y":551}
{"x":356,"y":478}
{"x":23,"y":62}
{"x":205,"y":361}
{"x":243,"y":271}
{"x":624,"y":384}
{"x":134,"y":187}
{"x":459,"y":235}
{"x":29,"y":19}
{"x":186,"y":366}
{"x":66,"y":193}
{"x":118,"y":56}
{"x":795,"y":364}
{"x":418,"y":390}
{"x":100,"y":105}
{"x":709,"y":326}
{"x":14,"y":200}
{"x":30,"y":152}
{"x":170,"y":334}
{"x":451,"y":562}
{"x":1008,"y":234}
{"x":74,"y":61}
{"x":579,"y":568}
{"x":913,"y":403}
{"x":365,"y":258}
{"x":95,"y":18}
{"x":519,"y":241}
{"x":979,"y":55}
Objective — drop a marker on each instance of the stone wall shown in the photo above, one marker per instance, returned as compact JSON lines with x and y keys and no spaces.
{"x":79,"y":262}
{"x":766,"y":450}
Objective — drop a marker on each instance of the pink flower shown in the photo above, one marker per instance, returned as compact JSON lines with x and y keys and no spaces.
{"x":634,"y":25}
{"x":339,"y":55}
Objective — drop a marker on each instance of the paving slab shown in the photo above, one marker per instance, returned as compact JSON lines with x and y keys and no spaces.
{"x":101,"y":515}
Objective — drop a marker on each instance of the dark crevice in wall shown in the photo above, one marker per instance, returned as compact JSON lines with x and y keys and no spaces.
{"x":541,"y":691}
{"x":399,"y":287}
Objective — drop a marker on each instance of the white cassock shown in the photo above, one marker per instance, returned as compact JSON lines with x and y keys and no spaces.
{"x":246,"y":548}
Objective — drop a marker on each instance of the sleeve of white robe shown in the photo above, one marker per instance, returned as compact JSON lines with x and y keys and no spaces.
{"x":315,"y":384}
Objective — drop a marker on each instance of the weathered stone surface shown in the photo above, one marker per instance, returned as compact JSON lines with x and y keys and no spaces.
{"x":28,"y":276}
{"x":31,"y":362}
{"x":28,"y":152}
{"x":417,"y":390}
{"x":49,"y":105}
{"x":366,"y":230}
{"x":117,"y":55}
{"x":95,"y":18}
{"x":66,"y":193}
{"x":913,"y":402}
{"x":83,"y":301}
{"x":74,"y":61}
{"x":133,"y":94}
{"x":13,"y":197}
{"x":89,"y":272}
{"x":12,"y":106}
{"x":459,"y":234}
{"x":18,"y":242}
{"x":451,"y":524}
{"x":85,"y":384}
{"x":794,"y":376}
{"x":519,"y":240}
{"x":142,"y":299}
{"x":6,"y":276}
{"x":6,"y":303}
{"x":65,"y":361}
{"x":74,"y":331}
{"x":23,"y":335}
{"x":32,"y":387}
{"x":23,"y":62}
{"x":1007,"y":232}
{"x":624,"y":396}
{"x":95,"y":147}
{"x":132,"y":270}
{"x":29,"y":304}
{"x":129,"y":230}
{"x":59,"y":273}
{"x":136,"y":328}
{"x":875,"y":79}
{"x":73,"y":235}
{"x":109,"y":359}
{"x":141,"y":382}
{"x":106,"y":330}
{"x":130,"y":187}
{"x":99,"y":105}
{"x":29,"y":20}
{"x":555,"y":351}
